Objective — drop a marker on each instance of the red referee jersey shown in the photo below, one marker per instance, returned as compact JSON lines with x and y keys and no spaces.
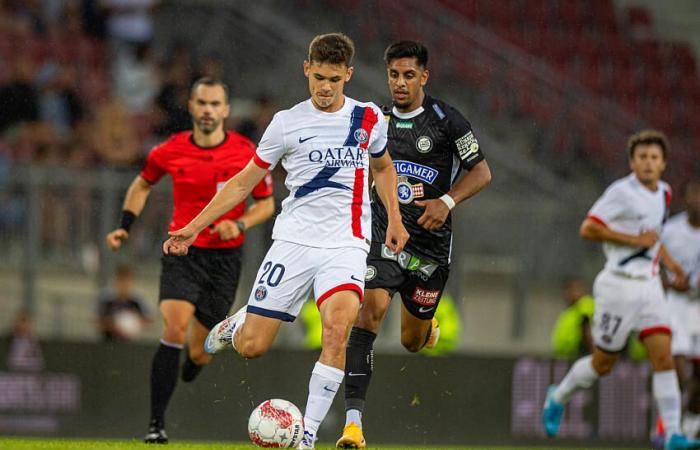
{"x":198,"y":173}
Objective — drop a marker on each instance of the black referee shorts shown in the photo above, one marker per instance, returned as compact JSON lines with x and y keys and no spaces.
{"x":205,"y":277}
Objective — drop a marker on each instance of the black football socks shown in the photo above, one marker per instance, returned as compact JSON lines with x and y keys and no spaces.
{"x":358,"y":367}
{"x":164,"y":371}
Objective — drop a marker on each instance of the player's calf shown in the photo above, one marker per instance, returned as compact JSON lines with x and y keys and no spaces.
{"x":415,"y":339}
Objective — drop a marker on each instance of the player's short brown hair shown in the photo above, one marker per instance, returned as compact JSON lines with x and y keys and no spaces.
{"x":332,"y":48}
{"x":209,"y":81}
{"x":648,"y":137}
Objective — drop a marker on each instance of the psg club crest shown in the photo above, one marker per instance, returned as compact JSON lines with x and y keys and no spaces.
{"x":361,"y":135}
{"x":260,"y":293}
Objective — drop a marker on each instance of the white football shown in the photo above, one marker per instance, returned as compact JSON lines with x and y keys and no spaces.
{"x":276,"y":423}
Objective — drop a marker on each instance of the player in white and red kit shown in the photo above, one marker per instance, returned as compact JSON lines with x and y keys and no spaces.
{"x":681,"y":237}
{"x":628,"y":219}
{"x":327,"y":145}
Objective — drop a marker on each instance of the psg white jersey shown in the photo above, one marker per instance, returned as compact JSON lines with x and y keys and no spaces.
{"x":682,"y":242}
{"x":627,"y":206}
{"x":326,"y":156}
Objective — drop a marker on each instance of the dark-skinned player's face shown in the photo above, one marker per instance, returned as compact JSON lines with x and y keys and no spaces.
{"x":326,"y":83}
{"x":648,"y":163}
{"x":208,"y":107}
{"x":406,"y":81}
{"x":692,"y":198}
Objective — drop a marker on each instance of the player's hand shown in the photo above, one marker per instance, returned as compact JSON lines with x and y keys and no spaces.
{"x":116,"y":237}
{"x":435,"y":214}
{"x":179,"y":241}
{"x":678,"y":280}
{"x":647,"y":239}
{"x":396,"y":235}
{"x":226,"y":229}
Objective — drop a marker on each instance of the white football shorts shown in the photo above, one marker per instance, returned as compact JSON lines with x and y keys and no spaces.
{"x":623,"y":305}
{"x":291,"y":273}
{"x":685,"y":324}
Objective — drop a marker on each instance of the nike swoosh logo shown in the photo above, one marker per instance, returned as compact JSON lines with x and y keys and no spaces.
{"x":425,"y":310}
{"x":329,"y":390}
{"x":352,"y":277}
{"x":350,"y":374}
{"x":304,"y":140}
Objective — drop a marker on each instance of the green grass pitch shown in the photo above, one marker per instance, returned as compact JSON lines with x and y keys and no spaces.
{"x":66,"y":444}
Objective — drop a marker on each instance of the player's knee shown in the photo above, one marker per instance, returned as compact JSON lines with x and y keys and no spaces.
{"x":250,"y":348}
{"x":603,"y":366}
{"x":662,"y":362}
{"x":199,"y":356}
{"x":411,"y":342}
{"x":175,"y":333}
{"x":370,"y":318}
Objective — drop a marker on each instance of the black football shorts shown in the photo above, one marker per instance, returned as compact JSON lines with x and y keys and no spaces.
{"x":420,"y":283}
{"x":205,"y":277}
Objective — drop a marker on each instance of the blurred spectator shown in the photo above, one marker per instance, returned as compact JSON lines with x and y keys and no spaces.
{"x":571,"y":336}
{"x":253,"y":127}
{"x":59,"y":103}
{"x":130,"y":21}
{"x":113,"y":136}
{"x":122,"y":315}
{"x":136,"y":79}
{"x":172,"y":100}
{"x":24,"y":350}
{"x":19,"y":98}
{"x":212,"y":67}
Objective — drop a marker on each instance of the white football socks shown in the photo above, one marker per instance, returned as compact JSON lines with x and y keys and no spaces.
{"x":237,"y":326}
{"x":325,"y":382}
{"x":581,"y":375}
{"x":668,"y":400}
{"x":691,"y":425}
{"x":353,"y":415}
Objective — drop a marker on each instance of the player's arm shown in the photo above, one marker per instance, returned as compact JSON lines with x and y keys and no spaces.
{"x":134,"y":202}
{"x":234,"y":192}
{"x":262,"y":209}
{"x":257,"y":213}
{"x":437,"y":209}
{"x":385,"y":180}
{"x":677,"y":278}
{"x":594,"y":230}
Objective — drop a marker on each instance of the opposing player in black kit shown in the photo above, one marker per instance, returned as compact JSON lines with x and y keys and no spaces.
{"x":430,"y":143}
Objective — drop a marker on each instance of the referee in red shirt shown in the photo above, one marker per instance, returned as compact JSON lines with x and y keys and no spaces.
{"x":201,"y":285}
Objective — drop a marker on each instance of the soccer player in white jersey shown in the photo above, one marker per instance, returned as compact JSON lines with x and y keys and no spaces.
{"x":628,"y":219}
{"x":322,"y":236}
{"x":681,"y":237}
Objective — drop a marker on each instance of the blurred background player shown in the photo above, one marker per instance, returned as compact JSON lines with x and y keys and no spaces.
{"x":121,"y":313}
{"x":571,"y":336}
{"x":681,"y":237}
{"x":430,"y":143}
{"x":198,"y":290}
{"x":321,"y":236}
{"x":628,"y":218}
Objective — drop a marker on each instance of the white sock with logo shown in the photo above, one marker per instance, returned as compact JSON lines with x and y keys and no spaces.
{"x":581,"y":375}
{"x":325,"y":382}
{"x":667,"y":394}
{"x":353,"y":415}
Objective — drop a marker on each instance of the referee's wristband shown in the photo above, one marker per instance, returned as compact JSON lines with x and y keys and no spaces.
{"x":128,"y":219}
{"x":449,"y":201}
